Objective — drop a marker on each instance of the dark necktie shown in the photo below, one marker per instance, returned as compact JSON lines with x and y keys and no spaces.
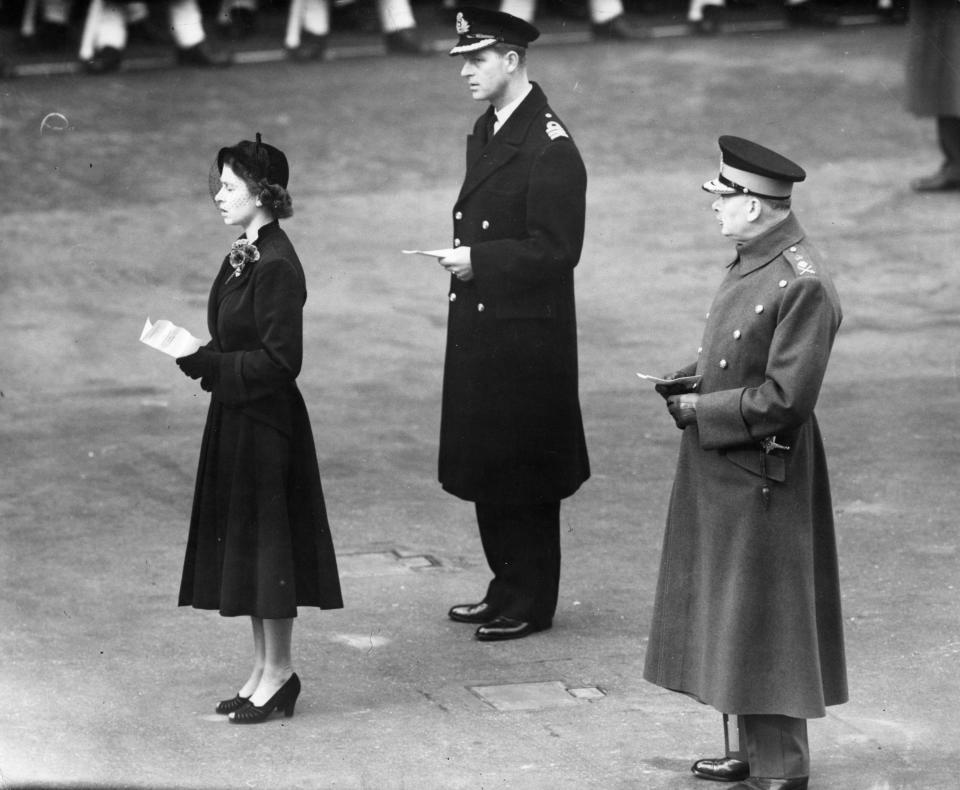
{"x":488,"y":127}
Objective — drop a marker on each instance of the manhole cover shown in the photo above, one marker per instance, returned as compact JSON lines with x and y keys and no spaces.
{"x":383,"y":563}
{"x":533,"y":696}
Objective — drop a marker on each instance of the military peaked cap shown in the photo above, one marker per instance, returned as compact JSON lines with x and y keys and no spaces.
{"x":748,"y":168}
{"x":479,"y":28}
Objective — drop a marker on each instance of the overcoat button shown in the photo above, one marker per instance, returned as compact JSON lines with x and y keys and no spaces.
{"x":480,"y":307}
{"x":700,"y":351}
{"x":782,"y":283}
{"x":736,"y":334}
{"x":723,"y":363}
{"x":458,"y":215}
{"x":758,"y":309}
{"x":707,"y":315}
{"x":453,"y":297}
{"x":793,"y":249}
{"x":456,"y":242}
{"x":484,"y":224}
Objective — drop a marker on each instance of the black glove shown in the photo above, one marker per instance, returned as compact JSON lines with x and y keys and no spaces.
{"x":683,"y":409}
{"x":666,"y":390}
{"x":200,"y":364}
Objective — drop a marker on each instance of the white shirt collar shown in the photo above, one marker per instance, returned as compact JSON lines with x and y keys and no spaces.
{"x":504,"y":113}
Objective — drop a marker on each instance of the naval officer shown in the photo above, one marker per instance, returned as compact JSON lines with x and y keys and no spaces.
{"x":747,"y":613}
{"x":511,"y":433}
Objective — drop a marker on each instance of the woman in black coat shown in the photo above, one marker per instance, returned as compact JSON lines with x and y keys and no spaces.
{"x":259,"y":542}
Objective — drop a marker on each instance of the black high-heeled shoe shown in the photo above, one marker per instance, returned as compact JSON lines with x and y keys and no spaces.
{"x":230,"y":705}
{"x":285,"y":699}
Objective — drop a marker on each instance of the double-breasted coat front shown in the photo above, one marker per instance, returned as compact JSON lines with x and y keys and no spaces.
{"x":511,"y":427}
{"x":933,"y":58}
{"x":259,"y":541}
{"x":747,"y":614}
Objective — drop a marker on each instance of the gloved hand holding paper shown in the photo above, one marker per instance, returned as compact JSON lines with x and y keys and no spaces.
{"x":169,"y":338}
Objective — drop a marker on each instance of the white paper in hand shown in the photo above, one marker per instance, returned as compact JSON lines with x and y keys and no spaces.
{"x":169,"y":338}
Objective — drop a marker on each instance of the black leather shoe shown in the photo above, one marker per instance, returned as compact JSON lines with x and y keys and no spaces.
{"x":472,"y":612}
{"x":617,"y":29}
{"x":284,"y":700}
{"x":724,"y":769}
{"x":405,"y":42}
{"x":312,"y":47}
{"x":939,"y":182}
{"x":230,"y":705}
{"x":104,"y":61}
{"x":204,"y":56}
{"x":506,"y":628}
{"x":762,"y":783}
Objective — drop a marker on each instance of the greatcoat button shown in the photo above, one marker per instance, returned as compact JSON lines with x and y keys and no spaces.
{"x":480,"y":307}
{"x":700,"y":351}
{"x":453,"y":297}
{"x":782,"y":283}
{"x":456,"y":242}
{"x":758,"y":309}
{"x":707,"y":315}
{"x":793,"y":249}
{"x":458,"y":215}
{"x":484,"y":224}
{"x":723,"y":363}
{"x":736,"y":334}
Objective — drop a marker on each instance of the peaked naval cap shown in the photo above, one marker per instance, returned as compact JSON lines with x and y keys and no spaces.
{"x":261,"y":159}
{"x":747,"y":168}
{"x":480,"y":28}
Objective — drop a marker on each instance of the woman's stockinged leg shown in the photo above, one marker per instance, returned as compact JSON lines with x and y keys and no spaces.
{"x":259,"y":658}
{"x":278,"y":664}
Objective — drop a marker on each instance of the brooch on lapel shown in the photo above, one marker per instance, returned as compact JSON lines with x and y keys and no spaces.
{"x":242,"y":252}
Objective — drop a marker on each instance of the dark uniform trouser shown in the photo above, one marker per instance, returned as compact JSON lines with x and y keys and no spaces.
{"x":522,"y":547}
{"x":948,"y":133}
{"x":775,"y":746}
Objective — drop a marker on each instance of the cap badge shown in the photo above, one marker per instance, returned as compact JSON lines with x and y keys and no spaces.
{"x":463,"y":26}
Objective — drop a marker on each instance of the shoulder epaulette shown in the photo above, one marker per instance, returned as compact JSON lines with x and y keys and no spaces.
{"x":553,"y":127}
{"x":797,"y":258}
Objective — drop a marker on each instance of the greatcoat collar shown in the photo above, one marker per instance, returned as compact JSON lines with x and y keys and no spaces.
{"x":484,"y":160}
{"x":756,"y":253}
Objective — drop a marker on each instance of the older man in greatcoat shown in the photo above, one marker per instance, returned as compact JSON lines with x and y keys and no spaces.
{"x":933,"y":83}
{"x":511,"y":433}
{"x":747,"y":615}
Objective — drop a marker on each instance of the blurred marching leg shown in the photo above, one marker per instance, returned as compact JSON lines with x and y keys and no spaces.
{"x":193,"y":49}
{"x":28,"y":27}
{"x":609,"y":22}
{"x":238,"y":18}
{"x":704,"y":16}
{"x":947,"y":178}
{"x":104,"y":37}
{"x":400,"y":28}
{"x":307,"y":29}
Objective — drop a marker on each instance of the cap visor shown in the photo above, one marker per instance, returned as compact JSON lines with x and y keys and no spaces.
{"x":460,"y":49}
{"x":717,"y":188}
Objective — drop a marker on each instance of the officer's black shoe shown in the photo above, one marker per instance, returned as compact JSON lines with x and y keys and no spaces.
{"x":617,"y":29}
{"x":312,"y":47}
{"x":204,"y":56}
{"x":472,"y":613}
{"x":507,"y":628}
{"x":941,"y":181}
{"x":104,"y":61}
{"x":725,"y":769}
{"x":760,"y":783}
{"x":811,"y":14}
{"x":406,"y":42}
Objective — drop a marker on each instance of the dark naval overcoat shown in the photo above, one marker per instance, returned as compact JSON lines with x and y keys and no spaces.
{"x":511,"y":429}
{"x":259,"y":541}
{"x":747,"y":613}
{"x":933,"y":58}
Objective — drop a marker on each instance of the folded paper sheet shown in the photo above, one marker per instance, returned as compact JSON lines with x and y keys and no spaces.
{"x":169,"y":338}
